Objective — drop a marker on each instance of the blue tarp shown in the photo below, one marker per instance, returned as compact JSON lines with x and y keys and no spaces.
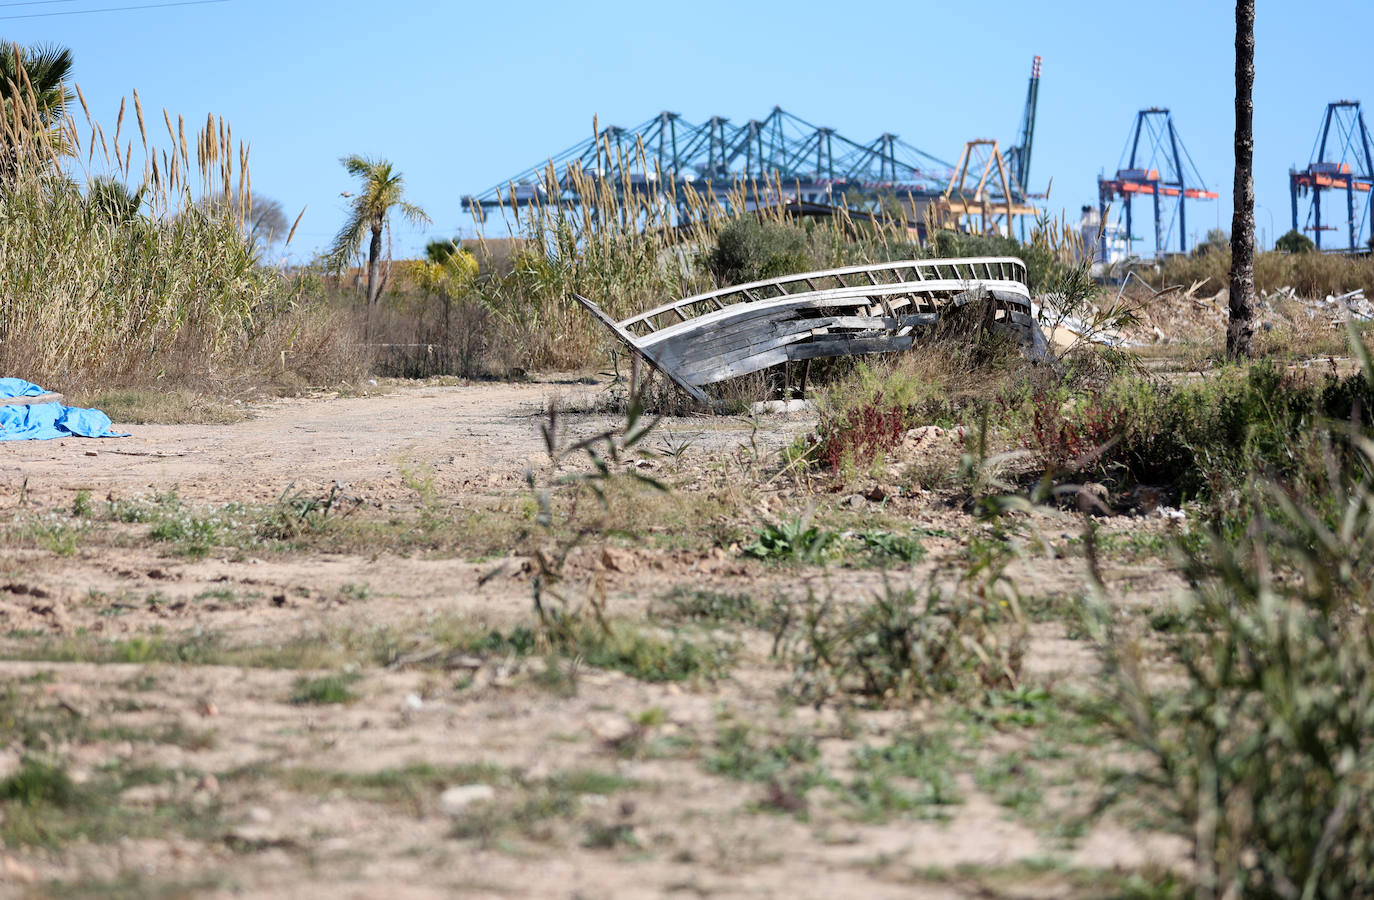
{"x":45,"y":421}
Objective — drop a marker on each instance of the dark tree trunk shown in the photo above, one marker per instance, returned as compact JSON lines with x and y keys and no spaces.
{"x":374,"y":255}
{"x":1240,"y":331}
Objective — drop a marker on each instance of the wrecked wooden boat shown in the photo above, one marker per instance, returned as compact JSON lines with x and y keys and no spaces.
{"x":876,"y":308}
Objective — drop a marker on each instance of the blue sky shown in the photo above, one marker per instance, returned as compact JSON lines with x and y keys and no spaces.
{"x":459,"y":96}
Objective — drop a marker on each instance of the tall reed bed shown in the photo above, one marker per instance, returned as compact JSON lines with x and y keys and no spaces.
{"x":124,"y":257}
{"x":1312,"y":275}
{"x":629,"y":246}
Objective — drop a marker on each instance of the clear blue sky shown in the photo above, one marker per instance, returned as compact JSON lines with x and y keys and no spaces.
{"x":459,"y":95}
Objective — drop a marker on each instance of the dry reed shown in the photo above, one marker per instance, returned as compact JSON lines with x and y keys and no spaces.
{"x":151,"y":285}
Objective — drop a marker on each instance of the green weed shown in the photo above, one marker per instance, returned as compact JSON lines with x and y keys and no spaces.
{"x":325,"y":689}
{"x":81,"y":504}
{"x":696,"y":604}
{"x":904,"y":646}
{"x":885,"y":546}
{"x":910,"y":775}
{"x":792,"y":540}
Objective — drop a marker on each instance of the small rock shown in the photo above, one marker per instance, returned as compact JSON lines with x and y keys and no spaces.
{"x":455,"y":801}
{"x":1092,"y":497}
{"x":618,"y":559}
{"x":414,"y":701}
{"x":879,"y":492}
{"x":15,"y":872}
{"x":208,"y":784}
{"x":259,"y":815}
{"x":853,"y":501}
{"x":922,"y":432}
{"x":92,"y":452}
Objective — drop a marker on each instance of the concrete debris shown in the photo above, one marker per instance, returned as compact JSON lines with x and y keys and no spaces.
{"x":764,"y":407}
{"x":1063,"y":331}
{"x":1183,"y":316}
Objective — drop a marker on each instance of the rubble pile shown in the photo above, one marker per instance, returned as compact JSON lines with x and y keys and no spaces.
{"x":1181,"y":315}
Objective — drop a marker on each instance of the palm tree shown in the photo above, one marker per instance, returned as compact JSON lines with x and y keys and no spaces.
{"x":33,"y":94}
{"x":381,"y":193}
{"x":447,"y":268}
{"x":1240,"y":330}
{"x":112,"y":201}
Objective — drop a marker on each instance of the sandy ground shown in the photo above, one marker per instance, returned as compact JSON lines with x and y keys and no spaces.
{"x":669,"y":826}
{"x":472,"y":436}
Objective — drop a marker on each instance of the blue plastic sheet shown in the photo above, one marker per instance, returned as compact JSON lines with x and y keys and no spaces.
{"x":45,"y":421}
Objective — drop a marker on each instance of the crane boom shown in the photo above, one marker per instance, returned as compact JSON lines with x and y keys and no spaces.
{"x":1021,"y":154}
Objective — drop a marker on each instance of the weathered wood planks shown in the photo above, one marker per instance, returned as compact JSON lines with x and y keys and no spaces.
{"x":874,"y":308}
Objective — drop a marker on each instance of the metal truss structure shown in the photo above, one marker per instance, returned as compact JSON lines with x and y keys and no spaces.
{"x":990,"y":204}
{"x":1162,"y":169}
{"x":815,"y":163}
{"x":1340,"y":160}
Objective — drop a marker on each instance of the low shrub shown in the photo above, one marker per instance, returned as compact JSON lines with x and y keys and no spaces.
{"x":906,"y":646}
{"x":1201,"y":437}
{"x":1312,"y":275}
{"x":1264,"y":754}
{"x":1070,"y":435}
{"x":750,"y":250}
{"x":858,"y":434}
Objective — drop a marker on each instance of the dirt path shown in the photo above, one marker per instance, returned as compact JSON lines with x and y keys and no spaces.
{"x":472,"y":436}
{"x":211,"y":776}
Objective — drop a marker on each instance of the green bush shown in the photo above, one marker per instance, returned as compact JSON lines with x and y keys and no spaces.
{"x":1264,"y":755}
{"x":1295,"y":242}
{"x":750,"y":250}
{"x":37,"y":783}
{"x":326,"y":689}
{"x":1197,"y":436}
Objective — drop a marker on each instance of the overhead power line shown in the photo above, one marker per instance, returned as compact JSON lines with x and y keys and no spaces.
{"x":104,"y":9}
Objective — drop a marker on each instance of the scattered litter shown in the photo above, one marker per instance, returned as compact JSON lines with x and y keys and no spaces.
{"x":780,"y":406}
{"x":160,"y":454}
{"x":1171,"y":513}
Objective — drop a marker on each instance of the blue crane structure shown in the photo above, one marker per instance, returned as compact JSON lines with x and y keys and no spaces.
{"x":1340,"y":161}
{"x":1164,"y":170}
{"x":714,"y":157}
{"x":1019,"y":157}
